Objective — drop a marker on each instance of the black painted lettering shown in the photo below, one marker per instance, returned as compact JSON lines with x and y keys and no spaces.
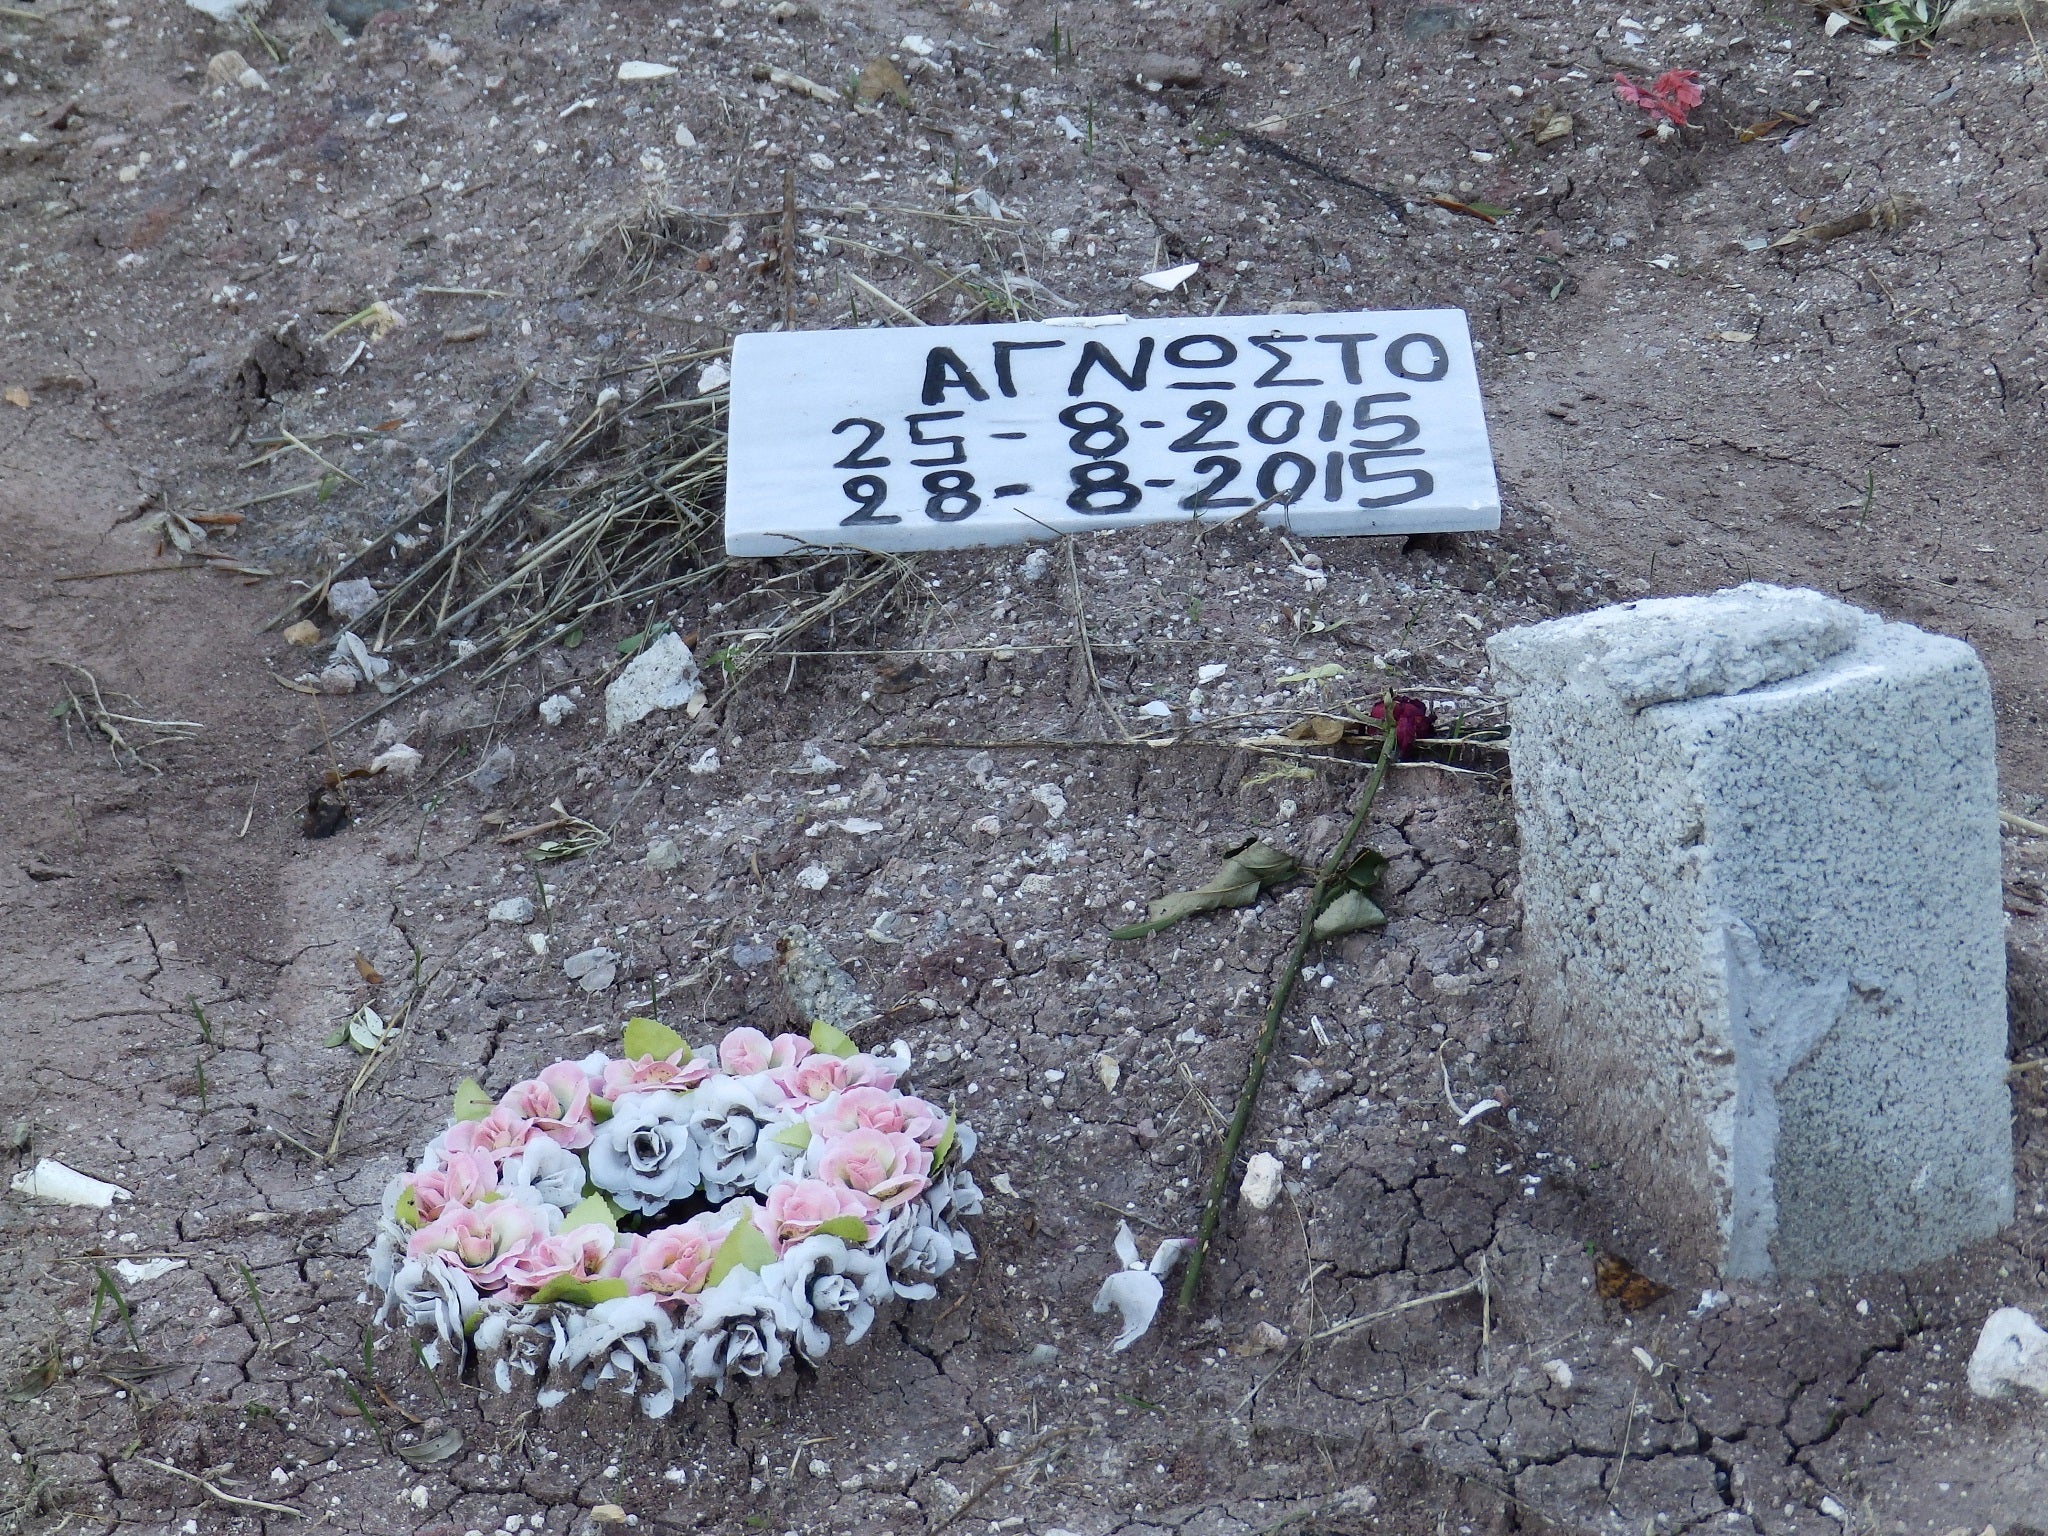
{"x":943,"y":370}
{"x":1004,"y":350}
{"x":1180,"y":352}
{"x":1350,"y":341}
{"x":1397,"y":357}
{"x":1271,"y":379}
{"x":1095,"y":352}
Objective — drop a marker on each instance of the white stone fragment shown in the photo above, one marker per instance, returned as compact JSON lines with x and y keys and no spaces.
{"x":1559,"y":1372}
{"x":662,"y":676}
{"x":1171,"y":278}
{"x":397,"y":761}
{"x":141,"y":1271}
{"x":350,"y":600}
{"x":517,"y":910}
{"x":556,"y":708}
{"x":1262,"y":1178}
{"x":2012,"y":1351}
{"x":644,"y":69}
{"x":1760,"y":878}
{"x":814,"y":877}
{"x":54,"y":1181}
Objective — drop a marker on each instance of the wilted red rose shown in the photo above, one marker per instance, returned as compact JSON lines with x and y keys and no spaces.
{"x":1411,"y":721}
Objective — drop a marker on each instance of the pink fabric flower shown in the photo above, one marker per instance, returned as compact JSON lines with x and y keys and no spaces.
{"x":879,"y":1109}
{"x":499,"y":1134}
{"x":557,"y":1102}
{"x":745,"y":1052}
{"x":465,"y":1178}
{"x":884,"y":1168}
{"x":486,"y":1242}
{"x":674,"y":1261}
{"x":813,"y":1080}
{"x":585,"y":1253}
{"x":796,"y":1208}
{"x":865,"y":1071}
{"x":650,"y":1074}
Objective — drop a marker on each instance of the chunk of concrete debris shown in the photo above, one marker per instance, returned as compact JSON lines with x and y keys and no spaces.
{"x":517,"y":910}
{"x":594,"y":969}
{"x":350,"y":600}
{"x":663,"y":854}
{"x":1155,"y":71}
{"x":494,"y":770}
{"x":663,"y":676}
{"x":1761,"y":892}
{"x":303,"y":633}
{"x":1263,"y":1176}
{"x":556,"y":708}
{"x":816,"y":986}
{"x":2012,"y":1351}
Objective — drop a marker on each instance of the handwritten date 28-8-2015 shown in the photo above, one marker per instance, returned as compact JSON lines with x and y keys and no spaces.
{"x":1022,"y":433}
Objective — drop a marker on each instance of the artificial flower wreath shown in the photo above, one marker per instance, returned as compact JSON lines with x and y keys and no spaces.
{"x":658,"y":1219}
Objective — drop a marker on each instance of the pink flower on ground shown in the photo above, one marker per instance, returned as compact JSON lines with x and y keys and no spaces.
{"x":499,"y":1134}
{"x":465,"y":1178}
{"x":885,"y":1168}
{"x":798,"y":1207}
{"x":1671,"y":96}
{"x":585,"y":1253}
{"x":674,"y":1261}
{"x":650,"y":1074}
{"x":818,"y":1076}
{"x":557,"y":1102}
{"x":813,"y":1080}
{"x":745,"y":1052}
{"x":486,"y":1242}
{"x":879,"y":1109}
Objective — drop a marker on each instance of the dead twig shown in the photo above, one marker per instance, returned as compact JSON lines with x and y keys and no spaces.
{"x":1037,"y":1453}
{"x":215,"y":1491}
{"x":104,"y":719}
{"x":1398,"y":1308}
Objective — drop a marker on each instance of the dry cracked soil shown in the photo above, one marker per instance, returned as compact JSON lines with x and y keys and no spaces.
{"x":947,"y":794}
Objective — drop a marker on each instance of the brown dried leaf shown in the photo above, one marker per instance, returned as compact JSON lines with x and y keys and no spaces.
{"x":881,"y":80}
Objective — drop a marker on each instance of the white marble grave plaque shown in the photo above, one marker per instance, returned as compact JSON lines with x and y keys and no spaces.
{"x":944,"y":437}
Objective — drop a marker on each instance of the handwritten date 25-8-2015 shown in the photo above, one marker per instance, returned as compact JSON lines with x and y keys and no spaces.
{"x":1021,"y":432}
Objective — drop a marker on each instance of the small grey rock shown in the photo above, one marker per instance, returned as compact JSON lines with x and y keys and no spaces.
{"x":664,"y":853}
{"x":350,"y":600}
{"x":594,"y":969}
{"x":513,"y":909}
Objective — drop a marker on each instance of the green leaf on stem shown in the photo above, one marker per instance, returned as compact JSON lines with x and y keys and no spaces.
{"x":1245,"y":875}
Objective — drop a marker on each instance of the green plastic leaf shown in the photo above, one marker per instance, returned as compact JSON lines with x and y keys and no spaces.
{"x":600,"y":1109}
{"x":1244,"y":875}
{"x":849,"y":1229}
{"x":366,"y":1029}
{"x":744,"y":1248}
{"x":832,"y":1041}
{"x":650,"y":1037}
{"x":471,"y":1102}
{"x":579,"y":1293}
{"x":590,"y":1211}
{"x":407,"y":1211}
{"x":1351,"y":911}
{"x":797,"y":1135}
{"x":946,"y":1140}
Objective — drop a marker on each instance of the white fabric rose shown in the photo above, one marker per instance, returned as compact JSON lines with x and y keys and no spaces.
{"x":822,"y":1277}
{"x":732,"y":1129}
{"x":543,"y":1173}
{"x":629,"y":1340}
{"x":645,"y":1156}
{"x":739,"y":1328}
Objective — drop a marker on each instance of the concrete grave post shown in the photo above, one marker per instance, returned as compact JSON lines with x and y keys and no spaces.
{"x":1763,"y":925}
